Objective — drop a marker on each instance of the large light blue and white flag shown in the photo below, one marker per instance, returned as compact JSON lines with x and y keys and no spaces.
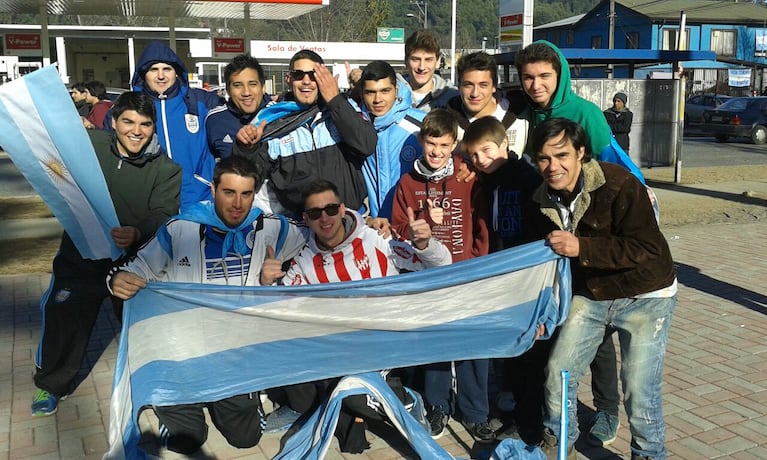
{"x":45,"y":138}
{"x":187,"y":343}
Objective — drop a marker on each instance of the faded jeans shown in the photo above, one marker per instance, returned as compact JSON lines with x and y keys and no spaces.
{"x":642,"y":326}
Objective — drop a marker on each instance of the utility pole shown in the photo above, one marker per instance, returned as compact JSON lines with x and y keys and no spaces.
{"x":681,"y":44}
{"x":423,"y":9}
{"x":611,"y":38}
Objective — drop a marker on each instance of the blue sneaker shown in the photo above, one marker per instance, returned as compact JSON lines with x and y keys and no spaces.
{"x":280,"y":419}
{"x":44,"y":404}
{"x":604,"y":429}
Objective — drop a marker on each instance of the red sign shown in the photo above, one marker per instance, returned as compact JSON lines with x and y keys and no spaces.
{"x":228,"y":45}
{"x":22,"y":42}
{"x":512,"y":20}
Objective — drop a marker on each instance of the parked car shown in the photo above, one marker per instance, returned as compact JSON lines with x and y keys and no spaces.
{"x":695,"y":105}
{"x":114,"y":93}
{"x":738,"y":117}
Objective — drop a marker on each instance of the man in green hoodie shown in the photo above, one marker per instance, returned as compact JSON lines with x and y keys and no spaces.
{"x":545,"y":76}
{"x":144,"y":186}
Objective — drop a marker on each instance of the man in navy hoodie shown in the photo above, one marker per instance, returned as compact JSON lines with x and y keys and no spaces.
{"x":181,"y":113}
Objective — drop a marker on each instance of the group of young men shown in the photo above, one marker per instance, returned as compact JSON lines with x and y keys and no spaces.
{"x":455,"y":173}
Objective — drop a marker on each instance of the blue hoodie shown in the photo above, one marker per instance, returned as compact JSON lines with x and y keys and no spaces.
{"x":181,"y":113}
{"x":396,"y":151}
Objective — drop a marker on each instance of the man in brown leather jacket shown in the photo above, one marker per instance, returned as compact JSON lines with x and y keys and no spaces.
{"x":599,"y":215}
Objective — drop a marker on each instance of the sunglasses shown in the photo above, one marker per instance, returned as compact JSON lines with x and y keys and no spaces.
{"x":315,"y":213}
{"x":299,"y":74}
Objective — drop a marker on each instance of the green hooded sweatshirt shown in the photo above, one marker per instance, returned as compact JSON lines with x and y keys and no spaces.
{"x":566,"y":104}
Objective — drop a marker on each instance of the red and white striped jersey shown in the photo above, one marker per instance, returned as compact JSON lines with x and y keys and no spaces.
{"x":364,"y":254}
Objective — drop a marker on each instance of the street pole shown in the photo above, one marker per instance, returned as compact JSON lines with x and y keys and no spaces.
{"x":681,"y":45}
{"x":425,"y":14}
{"x":611,"y":38}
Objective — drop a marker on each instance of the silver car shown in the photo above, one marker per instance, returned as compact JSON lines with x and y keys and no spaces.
{"x":695,"y":105}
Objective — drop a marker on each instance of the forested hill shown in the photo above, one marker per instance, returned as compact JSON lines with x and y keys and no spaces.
{"x":552,"y":10}
{"x":355,"y":20}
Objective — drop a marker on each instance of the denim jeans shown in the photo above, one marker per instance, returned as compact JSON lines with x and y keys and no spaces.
{"x":642,"y":326}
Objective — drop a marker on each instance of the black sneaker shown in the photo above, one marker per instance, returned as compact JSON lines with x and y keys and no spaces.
{"x":437,"y":421}
{"x":481,"y":432}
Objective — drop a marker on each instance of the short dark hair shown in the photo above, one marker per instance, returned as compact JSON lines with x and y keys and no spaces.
{"x":485,"y":128}
{"x":378,"y":70}
{"x":305,"y":54}
{"x":97,"y":89}
{"x":538,"y":52}
{"x":318,"y":186}
{"x":422,"y":39}
{"x":78,"y":85}
{"x":134,"y":100}
{"x":477,"y":61}
{"x":553,"y":128}
{"x":240,"y":63}
{"x":438,"y":123}
{"x":239,"y":165}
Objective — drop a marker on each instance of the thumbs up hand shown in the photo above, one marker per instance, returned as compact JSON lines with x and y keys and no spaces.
{"x":420,"y":232}
{"x":271,"y":270}
{"x":436,"y":214}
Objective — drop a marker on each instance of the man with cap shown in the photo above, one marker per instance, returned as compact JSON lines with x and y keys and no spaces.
{"x":181,"y":113}
{"x":619,"y":117}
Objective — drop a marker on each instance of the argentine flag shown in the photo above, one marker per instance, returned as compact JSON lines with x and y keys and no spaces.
{"x":45,"y":138}
{"x":189,"y":343}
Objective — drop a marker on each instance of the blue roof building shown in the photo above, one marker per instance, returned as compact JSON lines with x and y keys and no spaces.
{"x":736,"y":31}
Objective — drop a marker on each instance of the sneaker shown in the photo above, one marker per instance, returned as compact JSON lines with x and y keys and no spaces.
{"x":44,"y":404}
{"x":481,"y":432}
{"x":550,"y":447}
{"x":604,"y":429}
{"x":280,"y":419}
{"x":437,"y":421}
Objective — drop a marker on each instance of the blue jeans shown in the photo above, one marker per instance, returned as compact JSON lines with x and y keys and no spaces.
{"x":642,"y":326}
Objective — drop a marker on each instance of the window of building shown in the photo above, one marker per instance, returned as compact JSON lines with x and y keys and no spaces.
{"x":632,"y":41}
{"x":670,"y":37}
{"x":570,"y":37}
{"x":596,"y":42}
{"x":724,"y":42}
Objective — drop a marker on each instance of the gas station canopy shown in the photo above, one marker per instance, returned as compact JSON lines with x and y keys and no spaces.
{"x":233,"y":9}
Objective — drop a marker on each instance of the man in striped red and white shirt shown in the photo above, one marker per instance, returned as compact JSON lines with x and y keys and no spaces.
{"x":342,"y":248}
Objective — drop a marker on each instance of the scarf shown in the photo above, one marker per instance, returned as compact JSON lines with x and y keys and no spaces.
{"x":424,"y":170}
{"x":204,"y":213}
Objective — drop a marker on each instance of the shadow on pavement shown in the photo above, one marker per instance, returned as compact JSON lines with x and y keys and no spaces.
{"x":734,"y":197}
{"x":692,"y":277}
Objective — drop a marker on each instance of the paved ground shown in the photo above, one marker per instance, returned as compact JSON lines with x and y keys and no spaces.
{"x":715,"y":391}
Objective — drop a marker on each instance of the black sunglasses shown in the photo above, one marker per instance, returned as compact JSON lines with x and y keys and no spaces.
{"x":315,"y":213}
{"x":299,"y":74}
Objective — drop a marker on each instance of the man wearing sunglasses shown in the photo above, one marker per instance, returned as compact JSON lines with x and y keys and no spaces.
{"x":339,"y":235}
{"x":342,"y":248}
{"x":226,"y":242}
{"x":318,"y":134}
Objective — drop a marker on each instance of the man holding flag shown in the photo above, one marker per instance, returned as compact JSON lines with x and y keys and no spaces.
{"x":144,"y":186}
{"x":225,"y":242}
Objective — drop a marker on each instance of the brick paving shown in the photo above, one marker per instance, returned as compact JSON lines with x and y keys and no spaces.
{"x":715,"y":397}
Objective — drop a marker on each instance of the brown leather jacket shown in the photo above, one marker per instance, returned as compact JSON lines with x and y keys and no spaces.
{"x":622,"y":251}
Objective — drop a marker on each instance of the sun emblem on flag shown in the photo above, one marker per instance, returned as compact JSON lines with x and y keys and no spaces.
{"x":57,"y":170}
